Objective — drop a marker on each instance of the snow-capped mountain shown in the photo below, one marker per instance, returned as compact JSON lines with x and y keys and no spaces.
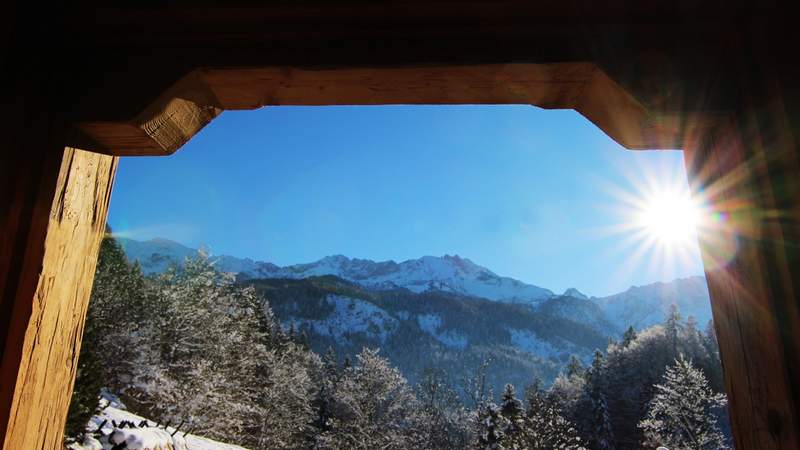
{"x":643,"y":306}
{"x":574,"y":293}
{"x":447,"y":273}
{"x":155,"y":255}
{"x":639,"y":306}
{"x":579,"y":308}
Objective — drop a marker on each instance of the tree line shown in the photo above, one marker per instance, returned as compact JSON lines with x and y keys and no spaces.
{"x":193,"y":347}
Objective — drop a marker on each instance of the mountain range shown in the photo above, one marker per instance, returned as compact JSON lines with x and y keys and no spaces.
{"x":441,"y":311}
{"x":639,"y":306}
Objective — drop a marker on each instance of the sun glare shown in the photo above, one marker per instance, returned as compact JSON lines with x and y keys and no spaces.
{"x":659,"y":221}
{"x":670,"y":218}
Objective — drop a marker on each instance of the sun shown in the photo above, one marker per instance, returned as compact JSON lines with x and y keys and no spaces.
{"x":657,"y":221}
{"x":670,"y":218}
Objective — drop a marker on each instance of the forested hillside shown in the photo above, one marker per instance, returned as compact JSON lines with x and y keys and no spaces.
{"x":432,"y":329}
{"x":231,"y":361}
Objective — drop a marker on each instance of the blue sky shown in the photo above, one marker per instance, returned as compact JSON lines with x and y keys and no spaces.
{"x":534,"y":194}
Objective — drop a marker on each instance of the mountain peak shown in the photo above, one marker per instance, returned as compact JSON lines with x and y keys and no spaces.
{"x":575,"y":293}
{"x":335,"y":258}
{"x":448,"y":273}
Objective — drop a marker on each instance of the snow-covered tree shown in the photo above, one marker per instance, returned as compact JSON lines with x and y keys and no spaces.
{"x":681,"y":415}
{"x":629,"y":336}
{"x":210,"y":356}
{"x":514,"y":413}
{"x":492,"y":426}
{"x":373,"y":407}
{"x":600,"y":435}
{"x":567,"y":391}
{"x":111,"y":335}
{"x":673,"y":327}
{"x":444,"y":422}
{"x":575,"y":367}
{"x":545,"y":426}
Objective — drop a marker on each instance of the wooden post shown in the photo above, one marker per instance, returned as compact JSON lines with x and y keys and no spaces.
{"x":746,"y":169}
{"x":54,"y":215}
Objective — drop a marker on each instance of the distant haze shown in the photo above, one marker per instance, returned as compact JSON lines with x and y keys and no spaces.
{"x":523,"y":191}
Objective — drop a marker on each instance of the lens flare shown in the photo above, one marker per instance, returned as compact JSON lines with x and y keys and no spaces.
{"x":657,"y":220}
{"x":670,"y":217}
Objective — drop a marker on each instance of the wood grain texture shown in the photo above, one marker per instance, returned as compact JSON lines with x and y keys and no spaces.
{"x":750,"y":168}
{"x":53,"y":318}
{"x":195,"y":100}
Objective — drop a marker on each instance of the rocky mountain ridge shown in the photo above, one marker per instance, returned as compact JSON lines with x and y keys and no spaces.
{"x":639,"y":306}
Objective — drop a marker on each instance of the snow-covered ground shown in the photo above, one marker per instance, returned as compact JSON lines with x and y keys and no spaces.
{"x":145,"y":438}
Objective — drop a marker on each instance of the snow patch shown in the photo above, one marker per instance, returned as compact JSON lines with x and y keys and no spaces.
{"x":144,"y":438}
{"x":528,"y":342}
{"x":432,"y":323}
{"x":351,"y":315}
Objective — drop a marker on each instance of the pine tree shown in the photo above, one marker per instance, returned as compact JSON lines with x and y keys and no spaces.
{"x":673,"y":327}
{"x":681,"y":415}
{"x":492,"y":429}
{"x":545,"y":426}
{"x":444,"y":422}
{"x":116,"y":308}
{"x":600,"y":434}
{"x":372,"y":401}
{"x":323,"y":403}
{"x":628,"y":337}
{"x":514,"y":413}
{"x":575,"y":367}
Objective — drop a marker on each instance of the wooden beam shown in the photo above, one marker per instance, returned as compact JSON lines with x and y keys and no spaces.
{"x":192,"y":102}
{"x":51,"y":240}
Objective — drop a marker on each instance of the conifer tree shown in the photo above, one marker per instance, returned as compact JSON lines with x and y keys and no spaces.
{"x":575,"y":367}
{"x":600,"y":434}
{"x":681,"y":415}
{"x":116,"y":308}
{"x":514,"y":413}
{"x":323,"y":403}
{"x":545,"y":426}
{"x":673,"y":327}
{"x":444,"y":422}
{"x":492,"y":428}
{"x":629,"y":336}
{"x":372,"y":401}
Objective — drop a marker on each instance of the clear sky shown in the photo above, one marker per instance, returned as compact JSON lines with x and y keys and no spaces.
{"x":542,"y":196}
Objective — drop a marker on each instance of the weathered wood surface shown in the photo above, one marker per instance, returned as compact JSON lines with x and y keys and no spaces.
{"x":47,"y":324}
{"x":747,"y":169}
{"x":757,"y":377}
{"x":198,"y":98}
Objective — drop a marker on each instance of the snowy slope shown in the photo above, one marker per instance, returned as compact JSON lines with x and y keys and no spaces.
{"x":640,"y":306}
{"x":143,"y":438}
{"x":579,"y":308}
{"x":348,"y":316}
{"x":574,"y":293}
{"x":155,"y":255}
{"x":446,"y":273}
{"x":643,"y":306}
